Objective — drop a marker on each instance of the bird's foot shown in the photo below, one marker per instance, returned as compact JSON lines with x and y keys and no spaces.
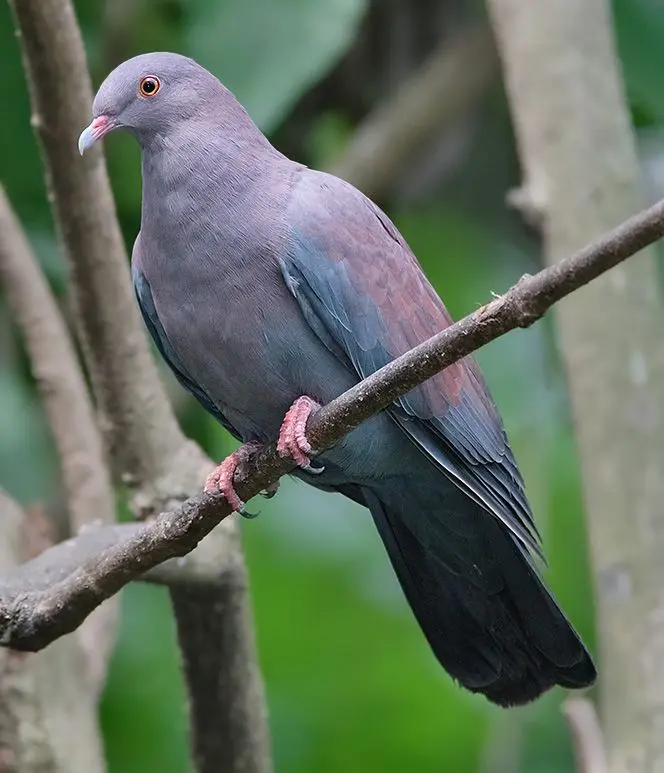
{"x":220,"y":480}
{"x":293,"y":441}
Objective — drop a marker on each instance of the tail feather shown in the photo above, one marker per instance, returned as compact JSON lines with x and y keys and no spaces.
{"x":477,"y":595}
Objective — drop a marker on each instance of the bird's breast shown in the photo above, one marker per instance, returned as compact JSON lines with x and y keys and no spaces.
{"x":212,"y":262}
{"x":233,"y":324}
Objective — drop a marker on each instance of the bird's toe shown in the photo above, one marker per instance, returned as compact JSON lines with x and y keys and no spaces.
{"x":293,"y":441}
{"x":220,"y":480}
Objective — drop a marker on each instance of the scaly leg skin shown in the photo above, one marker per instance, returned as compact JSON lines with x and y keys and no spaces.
{"x":220,"y":480}
{"x":293,"y":441}
{"x":292,"y":444}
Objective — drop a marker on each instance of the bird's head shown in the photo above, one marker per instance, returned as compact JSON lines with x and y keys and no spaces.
{"x":149,"y":95}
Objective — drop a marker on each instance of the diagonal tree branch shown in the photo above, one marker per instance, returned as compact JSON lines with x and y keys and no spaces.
{"x":68,"y":406}
{"x":51,"y":595}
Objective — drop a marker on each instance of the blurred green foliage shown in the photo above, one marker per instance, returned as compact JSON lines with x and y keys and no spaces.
{"x":351,"y":684}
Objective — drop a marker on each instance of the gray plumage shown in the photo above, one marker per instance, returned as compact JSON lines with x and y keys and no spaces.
{"x":261,"y":280}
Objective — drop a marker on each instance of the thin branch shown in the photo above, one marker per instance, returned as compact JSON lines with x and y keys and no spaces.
{"x":60,"y":380}
{"x":141,"y":433}
{"x":587,"y":734}
{"x":441,"y":92}
{"x":68,"y":406}
{"x":53,"y":594}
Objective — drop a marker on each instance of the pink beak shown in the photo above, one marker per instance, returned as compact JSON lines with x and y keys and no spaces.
{"x":95,"y":131}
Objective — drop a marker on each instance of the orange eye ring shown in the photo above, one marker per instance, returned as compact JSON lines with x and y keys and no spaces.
{"x":149,"y":86}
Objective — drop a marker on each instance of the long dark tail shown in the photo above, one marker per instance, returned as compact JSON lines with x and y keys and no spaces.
{"x":487,"y":615}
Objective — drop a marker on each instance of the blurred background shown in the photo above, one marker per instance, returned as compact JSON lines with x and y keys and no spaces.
{"x":404,"y":98}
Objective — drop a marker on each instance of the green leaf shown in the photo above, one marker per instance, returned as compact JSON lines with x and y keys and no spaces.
{"x":268,"y":52}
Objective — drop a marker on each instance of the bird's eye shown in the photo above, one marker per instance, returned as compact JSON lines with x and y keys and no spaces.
{"x":149,"y":85}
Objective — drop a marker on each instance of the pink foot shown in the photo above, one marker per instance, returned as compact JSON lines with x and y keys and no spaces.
{"x":220,"y":480}
{"x":293,"y":441}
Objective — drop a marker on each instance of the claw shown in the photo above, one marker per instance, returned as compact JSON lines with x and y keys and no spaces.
{"x":270,"y":491}
{"x":246,"y":514}
{"x":293,"y":441}
{"x":292,"y":444}
{"x":220,"y":480}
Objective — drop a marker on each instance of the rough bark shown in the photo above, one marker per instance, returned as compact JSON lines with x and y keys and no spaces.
{"x":581,"y":176}
{"x":224,"y":735}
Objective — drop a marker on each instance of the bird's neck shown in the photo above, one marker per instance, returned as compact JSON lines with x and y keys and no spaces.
{"x":213,"y":166}
{"x":212,"y":198}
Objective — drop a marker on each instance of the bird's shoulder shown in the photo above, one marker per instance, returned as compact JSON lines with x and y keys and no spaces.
{"x":357,"y":247}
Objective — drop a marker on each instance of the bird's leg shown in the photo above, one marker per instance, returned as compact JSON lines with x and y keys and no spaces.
{"x":292,"y":444}
{"x":221,"y":478}
{"x":293,"y":441}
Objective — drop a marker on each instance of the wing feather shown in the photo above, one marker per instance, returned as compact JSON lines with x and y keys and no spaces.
{"x":362,"y":290}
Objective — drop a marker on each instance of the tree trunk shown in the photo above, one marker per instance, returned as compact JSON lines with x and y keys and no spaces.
{"x":582,"y":176}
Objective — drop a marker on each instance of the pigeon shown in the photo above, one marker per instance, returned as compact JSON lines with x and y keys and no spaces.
{"x":271,"y":288}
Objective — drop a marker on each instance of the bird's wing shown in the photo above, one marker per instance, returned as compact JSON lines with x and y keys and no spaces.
{"x":156,"y":330}
{"x":362,"y":290}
